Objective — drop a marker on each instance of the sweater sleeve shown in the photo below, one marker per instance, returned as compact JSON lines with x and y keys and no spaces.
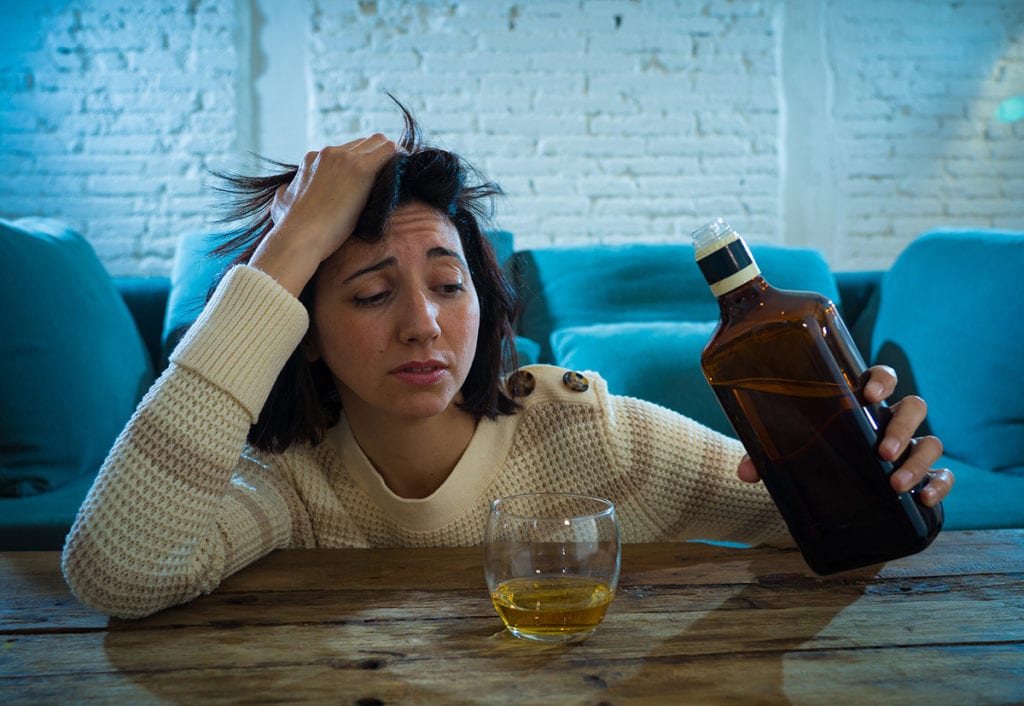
{"x":177,"y":505}
{"x":682,"y":478}
{"x":670,"y":477}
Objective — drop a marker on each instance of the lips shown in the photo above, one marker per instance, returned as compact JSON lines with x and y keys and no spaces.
{"x":418,"y":366}
{"x":420,"y":372}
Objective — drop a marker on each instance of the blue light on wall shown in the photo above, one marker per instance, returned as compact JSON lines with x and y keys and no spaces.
{"x":1011,"y":110}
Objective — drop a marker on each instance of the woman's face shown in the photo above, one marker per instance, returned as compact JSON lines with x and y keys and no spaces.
{"x":397,"y":321}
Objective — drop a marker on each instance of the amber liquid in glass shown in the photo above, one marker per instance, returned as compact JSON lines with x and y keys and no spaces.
{"x":550,"y":606}
{"x":786,"y":372}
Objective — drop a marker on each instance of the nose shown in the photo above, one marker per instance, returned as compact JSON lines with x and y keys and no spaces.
{"x":419,"y":319}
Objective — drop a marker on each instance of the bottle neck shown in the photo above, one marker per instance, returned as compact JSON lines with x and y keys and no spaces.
{"x":727,"y":264}
{"x":747,"y":297}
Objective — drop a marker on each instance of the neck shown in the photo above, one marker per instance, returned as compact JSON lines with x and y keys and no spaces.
{"x":414,"y":456}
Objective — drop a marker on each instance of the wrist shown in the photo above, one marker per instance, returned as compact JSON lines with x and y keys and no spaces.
{"x":288,"y":262}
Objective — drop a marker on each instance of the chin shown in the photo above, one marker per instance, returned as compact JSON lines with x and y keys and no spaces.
{"x":424,"y":406}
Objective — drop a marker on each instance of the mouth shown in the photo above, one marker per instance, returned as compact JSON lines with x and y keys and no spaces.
{"x":419,"y":366}
{"x":420,"y":372}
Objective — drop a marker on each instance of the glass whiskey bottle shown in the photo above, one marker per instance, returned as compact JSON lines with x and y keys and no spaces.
{"x":788,"y":375}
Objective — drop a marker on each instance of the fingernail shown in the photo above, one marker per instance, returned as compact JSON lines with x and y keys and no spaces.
{"x":874,"y":390}
{"x":889,"y":448}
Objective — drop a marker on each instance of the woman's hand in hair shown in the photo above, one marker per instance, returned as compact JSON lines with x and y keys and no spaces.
{"x":315,"y":213}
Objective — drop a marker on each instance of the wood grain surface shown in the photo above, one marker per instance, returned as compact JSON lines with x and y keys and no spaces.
{"x":691,"y":623}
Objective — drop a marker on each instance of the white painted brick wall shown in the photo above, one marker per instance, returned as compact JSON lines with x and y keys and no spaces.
{"x":851,"y":127}
{"x":601,"y":119}
{"x":916,"y":143}
{"x":111,"y":114}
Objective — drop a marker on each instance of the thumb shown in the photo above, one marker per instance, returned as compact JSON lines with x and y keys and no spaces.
{"x":281,"y":203}
{"x":746,"y":471}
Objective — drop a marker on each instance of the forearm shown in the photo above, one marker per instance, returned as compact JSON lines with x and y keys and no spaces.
{"x":164,"y":522}
{"x":147,"y":535}
{"x":692,"y":490}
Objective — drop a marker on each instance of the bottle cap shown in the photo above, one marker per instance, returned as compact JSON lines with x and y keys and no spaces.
{"x":723,"y":257}
{"x":712,"y":236}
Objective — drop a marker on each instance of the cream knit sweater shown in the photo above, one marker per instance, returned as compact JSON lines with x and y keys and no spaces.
{"x":182,"y":502}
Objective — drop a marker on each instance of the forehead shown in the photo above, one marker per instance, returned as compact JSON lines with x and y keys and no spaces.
{"x":418,"y":217}
{"x":412,"y":229}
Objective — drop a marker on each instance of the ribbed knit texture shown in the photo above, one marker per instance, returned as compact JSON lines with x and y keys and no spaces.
{"x":181,"y":502}
{"x":258,"y":330}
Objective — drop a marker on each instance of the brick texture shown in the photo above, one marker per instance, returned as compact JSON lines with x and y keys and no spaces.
{"x":604,"y":120}
{"x":111,"y":115}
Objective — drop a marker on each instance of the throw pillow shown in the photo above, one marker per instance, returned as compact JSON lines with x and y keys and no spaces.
{"x":948,"y":320}
{"x":585,"y":285}
{"x":72,"y":363}
{"x":657,"y":361}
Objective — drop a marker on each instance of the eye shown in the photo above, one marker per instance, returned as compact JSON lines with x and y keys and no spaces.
{"x":371,"y":300}
{"x":452,"y":288}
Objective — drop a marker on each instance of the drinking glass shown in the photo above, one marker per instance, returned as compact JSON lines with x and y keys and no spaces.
{"x":552,"y":563}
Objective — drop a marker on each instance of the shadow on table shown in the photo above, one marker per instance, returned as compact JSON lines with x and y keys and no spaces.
{"x":35,"y":594}
{"x":286,"y":647}
{"x":732,"y":645}
{"x":704,"y":624}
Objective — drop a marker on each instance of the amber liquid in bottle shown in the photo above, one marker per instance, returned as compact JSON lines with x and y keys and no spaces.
{"x":788,"y":376}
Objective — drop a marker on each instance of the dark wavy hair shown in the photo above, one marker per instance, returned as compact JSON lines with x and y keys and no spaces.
{"x":304,"y":401}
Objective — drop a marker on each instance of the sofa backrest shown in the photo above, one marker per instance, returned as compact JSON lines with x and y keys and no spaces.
{"x":609,"y":284}
{"x":146,"y":299}
{"x":638,"y":314}
{"x":948,"y":317}
{"x":72,"y":362}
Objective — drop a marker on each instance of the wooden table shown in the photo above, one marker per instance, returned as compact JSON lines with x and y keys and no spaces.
{"x":691,"y":623}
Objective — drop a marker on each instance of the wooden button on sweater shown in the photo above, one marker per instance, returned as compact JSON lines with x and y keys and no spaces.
{"x":576,"y":382}
{"x":521,"y":383}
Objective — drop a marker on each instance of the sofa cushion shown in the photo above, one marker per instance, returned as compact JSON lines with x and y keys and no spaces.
{"x":948,"y":320}
{"x":41,"y":522}
{"x":982,"y":498}
{"x":72,"y":363}
{"x":658,"y":361}
{"x":527,"y":350}
{"x":580,"y":286}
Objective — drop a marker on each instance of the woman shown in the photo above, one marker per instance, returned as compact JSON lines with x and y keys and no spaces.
{"x":344,"y":386}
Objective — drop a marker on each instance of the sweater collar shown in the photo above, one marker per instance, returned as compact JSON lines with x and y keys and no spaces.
{"x":459,"y":493}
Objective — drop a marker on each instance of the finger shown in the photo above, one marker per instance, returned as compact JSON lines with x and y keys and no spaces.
{"x":379,"y":144}
{"x":940,"y":482}
{"x":925,"y":452}
{"x":375,"y":140}
{"x":907,"y":416}
{"x":747,"y":471}
{"x":367,"y":145}
{"x":308,"y":161}
{"x":358,"y":146}
{"x":361,"y":157}
{"x":881,"y":383}
{"x":358,"y":142}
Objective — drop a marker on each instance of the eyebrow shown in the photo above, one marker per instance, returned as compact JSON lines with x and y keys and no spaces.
{"x":387,"y":262}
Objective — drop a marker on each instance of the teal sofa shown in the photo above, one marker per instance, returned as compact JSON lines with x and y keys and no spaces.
{"x":947,"y":316}
{"x":80,"y":348}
